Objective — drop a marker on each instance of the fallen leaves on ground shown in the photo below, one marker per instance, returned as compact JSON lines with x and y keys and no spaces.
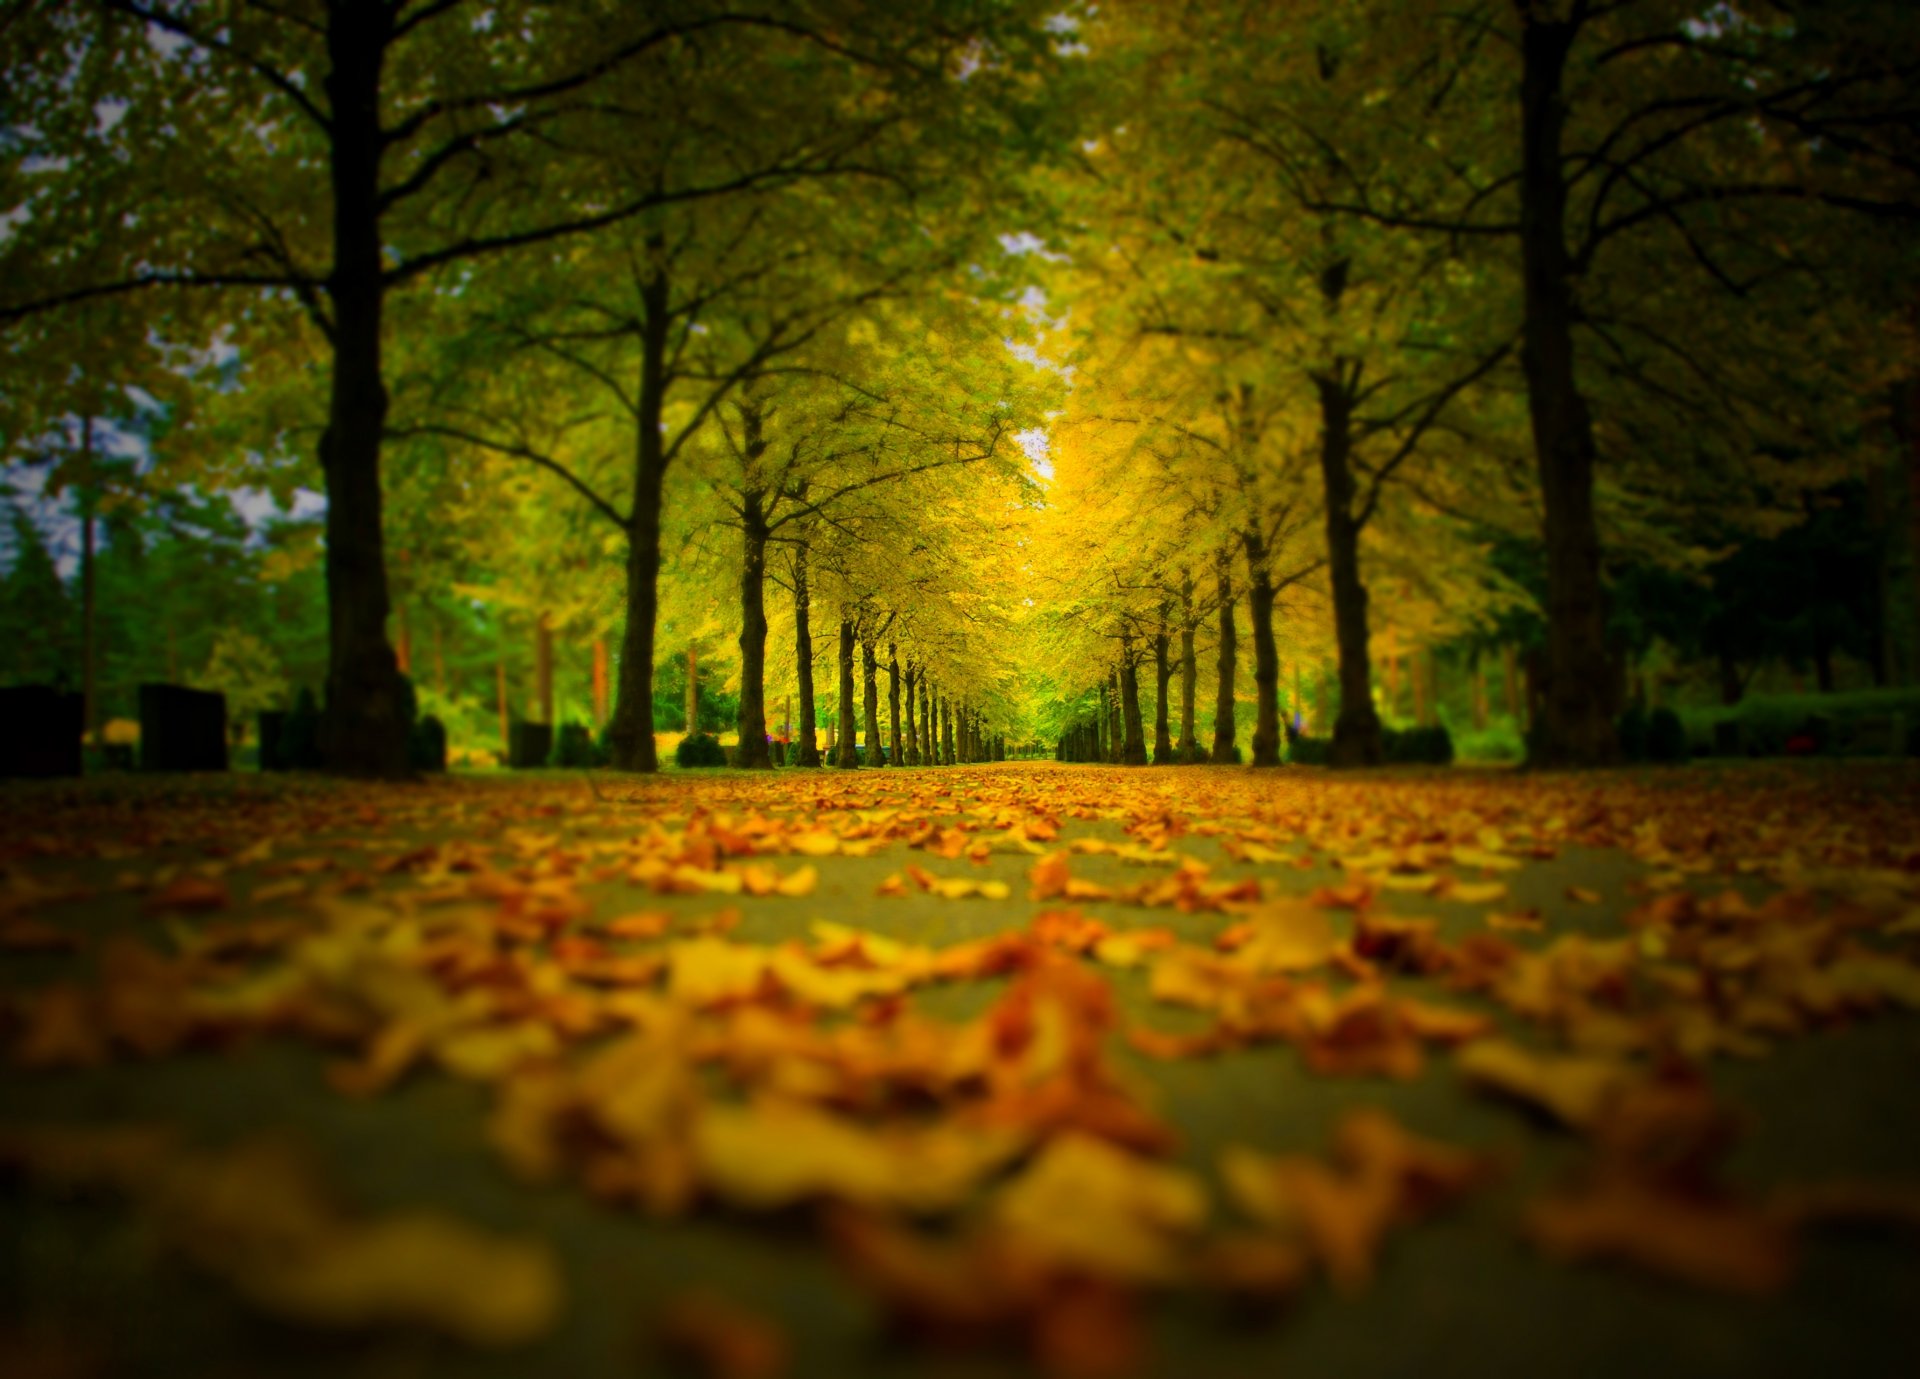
{"x":665,"y":1003}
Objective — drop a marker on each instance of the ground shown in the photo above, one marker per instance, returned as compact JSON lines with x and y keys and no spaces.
{"x":1080,"y":1069}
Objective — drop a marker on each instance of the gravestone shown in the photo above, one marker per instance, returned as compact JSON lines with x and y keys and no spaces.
{"x":529,"y":745}
{"x":182,"y":729}
{"x":40,"y":730}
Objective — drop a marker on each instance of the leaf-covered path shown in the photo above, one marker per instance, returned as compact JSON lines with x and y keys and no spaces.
{"x":1171,"y":1071}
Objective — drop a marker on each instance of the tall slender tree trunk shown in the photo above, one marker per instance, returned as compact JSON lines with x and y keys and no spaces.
{"x":631,"y":733}
{"x":893,"y":702}
{"x":946,"y":730}
{"x":1577,"y":727}
{"x":1356,"y":731}
{"x":1510,"y":679}
{"x":363,"y":730}
{"x":803,"y":657}
{"x":506,"y":713}
{"x":599,"y":674}
{"x":543,"y":666}
{"x":1189,"y":748}
{"x":911,"y":677}
{"x":752,"y":718}
{"x":849,"y":713}
{"x":89,"y":601}
{"x":1133,"y":752}
{"x":693,"y":690}
{"x":1162,"y":677}
{"x":1266,"y":656}
{"x":870,"y":666}
{"x":1223,"y":731}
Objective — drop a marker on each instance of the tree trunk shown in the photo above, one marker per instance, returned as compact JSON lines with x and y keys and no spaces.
{"x":1223,"y":749}
{"x":1578,"y":722}
{"x":506,"y":714}
{"x":599,"y":675}
{"x":1133,"y":752}
{"x":946,"y":730}
{"x":403,"y":643}
{"x":89,"y":602}
{"x":803,"y":658}
{"x":543,"y":667}
{"x":870,"y":665}
{"x":1162,"y":677}
{"x":893,"y":703}
{"x":1510,"y":675}
{"x":1266,"y":657}
{"x":1189,"y":748}
{"x":912,"y":747}
{"x":849,"y":710}
{"x":631,"y":733}
{"x":692,"y":714}
{"x":1417,"y":673}
{"x":363,"y":730}
{"x":752,"y":718}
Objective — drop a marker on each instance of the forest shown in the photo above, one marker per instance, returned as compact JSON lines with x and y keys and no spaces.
{"x":1460,"y":460}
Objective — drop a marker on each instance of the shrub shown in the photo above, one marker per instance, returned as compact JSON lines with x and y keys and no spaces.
{"x":300,"y":734}
{"x":1310,"y":751}
{"x":1666,"y":737}
{"x":1424,"y":746}
{"x":1496,"y":742}
{"x":575,"y":749}
{"x":699,"y":749}
{"x":1632,"y":729}
{"x":427,"y":745}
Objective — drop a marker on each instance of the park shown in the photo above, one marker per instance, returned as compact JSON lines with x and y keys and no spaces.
{"x":959,"y":688}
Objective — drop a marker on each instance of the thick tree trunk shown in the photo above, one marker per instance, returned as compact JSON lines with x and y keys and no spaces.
{"x":1116,"y":727}
{"x":1356,"y":731}
{"x":893,"y":703}
{"x":870,"y":665}
{"x":1266,"y":657}
{"x":631,"y":733}
{"x":1134,"y":749}
{"x":1223,"y":731}
{"x":849,"y":710}
{"x":1162,"y":677}
{"x":752,"y":719}
{"x":363,"y":731}
{"x":803,"y":658}
{"x":1578,"y":722}
{"x":1189,"y":746}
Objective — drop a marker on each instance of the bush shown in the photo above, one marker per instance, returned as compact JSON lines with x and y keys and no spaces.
{"x":1310,"y":751}
{"x":1422,"y":746}
{"x":1666,"y":737}
{"x":300,"y":734}
{"x":699,"y":749}
{"x":427,"y":745}
{"x":575,"y":749}
{"x":1632,"y":729}
{"x":1496,"y":742}
{"x":777,"y":752}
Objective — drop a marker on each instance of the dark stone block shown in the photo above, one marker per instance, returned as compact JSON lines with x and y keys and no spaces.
{"x":40,"y":730}
{"x":182,"y":729}
{"x":529,"y":745}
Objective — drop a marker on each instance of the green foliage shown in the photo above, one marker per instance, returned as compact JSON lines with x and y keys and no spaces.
{"x":699,"y":749}
{"x":1309,"y":751}
{"x":1498,"y":741}
{"x":39,"y":625}
{"x":1766,"y":721}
